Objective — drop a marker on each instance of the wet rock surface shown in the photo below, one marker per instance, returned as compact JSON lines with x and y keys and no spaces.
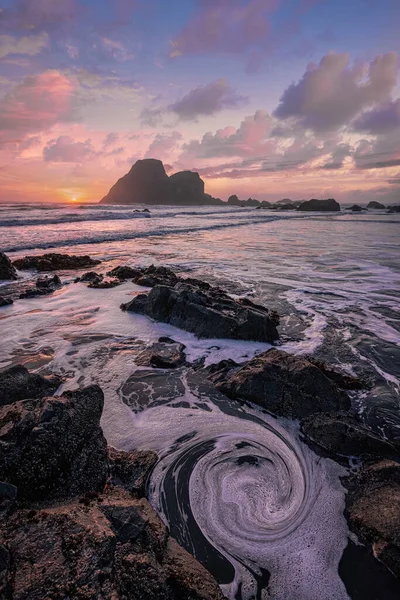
{"x":7,"y":270}
{"x":124,"y":272}
{"x":373,"y":510}
{"x":104,"y":283}
{"x":17,"y":384}
{"x":44,"y":287}
{"x":5,"y":301}
{"x":284,"y":384}
{"x":152,"y":276}
{"x":55,"y":262}
{"x":206,"y":311}
{"x":54,"y":447}
{"x":162,"y":355}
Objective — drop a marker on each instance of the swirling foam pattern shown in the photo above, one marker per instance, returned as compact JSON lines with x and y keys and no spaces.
{"x":255,"y":505}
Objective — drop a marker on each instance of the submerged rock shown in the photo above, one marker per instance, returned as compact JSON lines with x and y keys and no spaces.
{"x":314,"y":204}
{"x":44,"y":287}
{"x":208,"y":312}
{"x":17,"y":384}
{"x":342,"y":434}
{"x":162,"y":355}
{"x":54,"y":446}
{"x":373,"y":510}
{"x":55,"y":262}
{"x":285,"y":385}
{"x":7,"y":270}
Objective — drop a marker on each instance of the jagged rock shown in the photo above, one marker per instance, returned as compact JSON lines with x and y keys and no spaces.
{"x":17,"y":384}
{"x":5,"y":301}
{"x":148,"y":183}
{"x":55,"y":262}
{"x":395,"y":208}
{"x":162,"y":356}
{"x":153,"y":275}
{"x":286,"y":385}
{"x":54,"y":446}
{"x":7,"y":270}
{"x":328,"y":205}
{"x":113,"y":547}
{"x":342,"y":434}
{"x":89,"y":277}
{"x":44,"y":287}
{"x":101,"y":283}
{"x":206,"y":312}
{"x":130,"y":470}
{"x":125,"y":272}
{"x":356,"y":208}
{"x":373,"y":510}
{"x":375,"y":204}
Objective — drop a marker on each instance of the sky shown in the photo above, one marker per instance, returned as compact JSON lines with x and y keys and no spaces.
{"x":266,"y":99}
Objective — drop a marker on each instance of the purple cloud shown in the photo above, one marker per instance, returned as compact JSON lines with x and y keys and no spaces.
{"x":207,"y":100}
{"x":163,"y":144}
{"x":65,"y":149}
{"x":380,"y":120}
{"x":332,"y":93}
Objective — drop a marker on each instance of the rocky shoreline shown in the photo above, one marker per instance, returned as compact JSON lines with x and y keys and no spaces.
{"x":74,"y":518}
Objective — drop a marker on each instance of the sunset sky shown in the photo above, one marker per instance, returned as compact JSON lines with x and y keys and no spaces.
{"x":264,"y":98}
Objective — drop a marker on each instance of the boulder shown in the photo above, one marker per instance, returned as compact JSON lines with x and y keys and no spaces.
{"x":89,"y":277}
{"x":7,"y":270}
{"x":286,"y":385}
{"x":373,"y":510}
{"x":17,"y":384}
{"x":104,"y":283}
{"x":125,"y":272}
{"x":148,"y":183}
{"x":162,"y":355}
{"x":329,"y":205}
{"x":376,"y":205}
{"x":55,"y":262}
{"x":206,"y":312}
{"x":110,"y":547}
{"x":44,"y":287}
{"x":342,"y":434}
{"x":53,"y":447}
{"x":153,"y":275}
{"x":5,"y":301}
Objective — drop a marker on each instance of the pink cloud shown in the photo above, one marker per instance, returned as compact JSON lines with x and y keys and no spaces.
{"x":333,"y":92}
{"x":66,"y":149}
{"x":36,"y":104}
{"x":163,"y":144}
{"x":207,"y":100}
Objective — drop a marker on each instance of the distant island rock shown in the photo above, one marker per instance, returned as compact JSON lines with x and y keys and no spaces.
{"x":328,"y":205}
{"x":357,"y":208}
{"x":148,"y":183}
{"x":375,"y":204}
{"x":395,"y":208}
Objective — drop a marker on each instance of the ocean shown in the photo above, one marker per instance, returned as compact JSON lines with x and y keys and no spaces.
{"x":334,"y":279}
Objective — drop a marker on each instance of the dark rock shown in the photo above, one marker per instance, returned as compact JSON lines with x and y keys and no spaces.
{"x":395,"y":208}
{"x":44,"y":287}
{"x":342,"y":434}
{"x":104,"y":283}
{"x":161,"y":355}
{"x":131,"y":470}
{"x":356,"y":208}
{"x":54,"y":447}
{"x":290,"y":206}
{"x":114,"y":549}
{"x":7,"y":270}
{"x":251,"y":202}
{"x":153,"y":275}
{"x":5,"y":301}
{"x":285,"y":385}
{"x":373,"y":510}
{"x":89,"y":277}
{"x":125,"y":272}
{"x":148,"y":183}
{"x":18,"y":384}
{"x":375,"y":204}
{"x":342,"y":380}
{"x":55,"y":262}
{"x":329,"y":205}
{"x":208,"y":313}
{"x":234,"y":200}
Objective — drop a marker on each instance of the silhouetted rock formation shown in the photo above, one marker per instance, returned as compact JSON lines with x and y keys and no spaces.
{"x":329,"y":205}
{"x":394,"y":209}
{"x":7,"y":271}
{"x":375,"y":204}
{"x":234,"y":201}
{"x":357,"y":208}
{"x":148,"y":183}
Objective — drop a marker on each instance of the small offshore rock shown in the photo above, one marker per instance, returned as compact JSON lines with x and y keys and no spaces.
{"x":161,"y":355}
{"x":7,"y":270}
{"x":55,"y":262}
{"x":376,"y":205}
{"x":329,"y":205}
{"x":17,"y":384}
{"x":153,"y":275}
{"x":104,"y":283}
{"x":125,"y":272}
{"x":44,"y":287}
{"x":90,"y":276}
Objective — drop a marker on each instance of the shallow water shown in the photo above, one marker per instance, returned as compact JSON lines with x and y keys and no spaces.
{"x":237,"y":487}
